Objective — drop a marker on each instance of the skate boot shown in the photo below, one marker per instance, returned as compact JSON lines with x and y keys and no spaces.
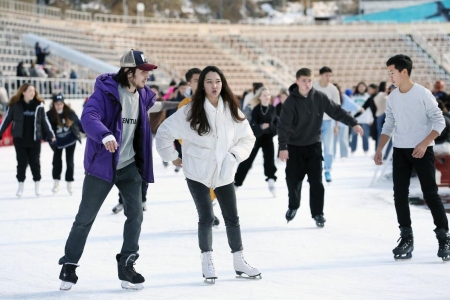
{"x":68,"y":276}
{"x":444,"y":244}
{"x":209,"y":272}
{"x":37,"y":188}
{"x":320,"y":221}
{"x":144,"y":206}
{"x":55,"y":188}
{"x":327,"y":176}
{"x":118,"y":208}
{"x":131,"y":280}
{"x":406,"y":246}
{"x":290,"y":214}
{"x":216,"y":222}
{"x":20,"y":190}
{"x":70,"y":187}
{"x":271,"y":183}
{"x":242,"y":267}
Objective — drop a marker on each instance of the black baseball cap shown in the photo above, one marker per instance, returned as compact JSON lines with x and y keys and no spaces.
{"x":58,"y":97}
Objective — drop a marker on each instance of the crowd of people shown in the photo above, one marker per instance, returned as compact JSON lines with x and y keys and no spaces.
{"x":213,"y":136}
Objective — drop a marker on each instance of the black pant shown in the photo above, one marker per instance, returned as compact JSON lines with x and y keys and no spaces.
{"x":57,"y":162}
{"x":403,"y":164}
{"x":144,"y":193}
{"x":266,"y":143}
{"x":305,"y":160}
{"x":226,"y":196}
{"x":28,"y":155}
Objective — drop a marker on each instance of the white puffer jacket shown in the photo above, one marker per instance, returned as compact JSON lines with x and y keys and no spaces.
{"x":207,"y":159}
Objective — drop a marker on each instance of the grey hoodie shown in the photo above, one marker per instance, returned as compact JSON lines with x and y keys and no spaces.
{"x":301,"y":117}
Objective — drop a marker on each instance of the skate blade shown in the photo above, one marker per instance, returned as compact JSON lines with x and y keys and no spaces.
{"x":242,"y":275}
{"x":65,"y":286}
{"x":320,"y":225}
{"x":402,"y":256}
{"x":210,"y":280}
{"x":445,"y":258}
{"x":126,"y":285}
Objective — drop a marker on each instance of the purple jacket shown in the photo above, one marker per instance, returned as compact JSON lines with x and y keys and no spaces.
{"x":101,"y":117}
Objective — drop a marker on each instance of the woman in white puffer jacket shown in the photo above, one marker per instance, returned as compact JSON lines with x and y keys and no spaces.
{"x":216,"y":138}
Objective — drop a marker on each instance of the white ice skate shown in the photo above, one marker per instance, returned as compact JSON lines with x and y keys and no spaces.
{"x":55,"y":188}
{"x":271,"y":183}
{"x":70,"y":187}
{"x":209,"y":272}
{"x":37,"y":188}
{"x":20,"y":190}
{"x":242,"y":267}
{"x":117,"y":209}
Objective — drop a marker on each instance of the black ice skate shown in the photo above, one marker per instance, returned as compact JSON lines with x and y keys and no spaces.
{"x":444,"y":244}
{"x":320,"y":221}
{"x":68,"y":276}
{"x":406,"y":246}
{"x":130,"y":278}
{"x":290,"y":214}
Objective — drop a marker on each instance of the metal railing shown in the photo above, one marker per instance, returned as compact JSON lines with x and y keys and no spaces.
{"x":70,"y":88}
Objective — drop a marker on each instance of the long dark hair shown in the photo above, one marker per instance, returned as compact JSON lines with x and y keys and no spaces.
{"x":18,"y":95}
{"x":356,"y":92}
{"x":197,"y":115}
{"x":122,"y":77}
{"x":65,"y":113}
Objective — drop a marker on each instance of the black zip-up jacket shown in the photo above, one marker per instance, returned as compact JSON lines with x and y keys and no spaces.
{"x":42,"y":127}
{"x":75,"y":128}
{"x":258,"y":118}
{"x":301,"y":117}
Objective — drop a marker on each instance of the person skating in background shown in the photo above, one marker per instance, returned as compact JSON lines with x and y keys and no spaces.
{"x":30,"y":125}
{"x":416,"y":128}
{"x":329,"y":127}
{"x":216,"y":136}
{"x":341,"y":137}
{"x":67,"y":127}
{"x":299,"y":139}
{"x":118,"y":152}
{"x":365,"y":119}
{"x":264,"y":126}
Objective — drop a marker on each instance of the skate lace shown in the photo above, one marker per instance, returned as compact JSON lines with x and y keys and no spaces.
{"x":211,"y":264}
{"x":129,"y":269}
{"x":404,"y":242}
{"x":444,"y":244}
{"x":245,"y":262}
{"x":70,"y":269}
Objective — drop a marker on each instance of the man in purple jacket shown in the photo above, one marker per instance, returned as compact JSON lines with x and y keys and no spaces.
{"x":118,"y":152}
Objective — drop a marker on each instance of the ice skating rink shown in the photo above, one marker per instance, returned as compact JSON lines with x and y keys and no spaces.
{"x":350,"y":258}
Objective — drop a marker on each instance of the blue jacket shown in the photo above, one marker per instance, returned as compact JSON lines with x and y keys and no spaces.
{"x":102,"y":116}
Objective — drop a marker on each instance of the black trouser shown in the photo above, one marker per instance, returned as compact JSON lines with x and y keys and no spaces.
{"x":305,"y":160}
{"x":144,"y":193}
{"x":28,"y":155}
{"x":57,"y":162}
{"x":226,"y":196}
{"x":95,"y":190}
{"x":266,"y":143}
{"x":403,"y":164}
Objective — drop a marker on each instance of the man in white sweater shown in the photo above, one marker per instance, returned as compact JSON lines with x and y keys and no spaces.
{"x":329,"y":127}
{"x":413,"y":112}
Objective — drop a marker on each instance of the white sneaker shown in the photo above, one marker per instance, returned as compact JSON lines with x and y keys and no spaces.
{"x":118,"y":208}
{"x":20,"y":190}
{"x":55,"y":188}
{"x":144,"y":206}
{"x":209,"y":272}
{"x":70,"y":187}
{"x":37,"y":188}
{"x":242,"y":267}
{"x":271,"y":183}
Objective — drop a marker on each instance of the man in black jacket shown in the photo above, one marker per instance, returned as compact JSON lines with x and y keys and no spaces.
{"x":299,"y":138}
